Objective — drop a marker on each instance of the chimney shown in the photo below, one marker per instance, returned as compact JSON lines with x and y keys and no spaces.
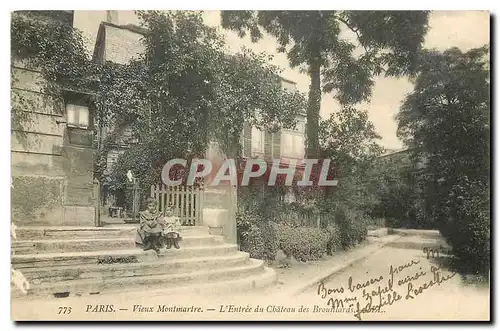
{"x":112,"y":16}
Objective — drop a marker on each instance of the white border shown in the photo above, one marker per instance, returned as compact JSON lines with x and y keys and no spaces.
{"x":147,"y":4}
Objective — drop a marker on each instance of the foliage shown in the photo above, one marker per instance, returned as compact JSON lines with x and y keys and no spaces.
{"x":256,"y":236}
{"x":303,"y":243}
{"x":312,"y":41}
{"x":447,"y":119}
{"x":298,"y":213}
{"x":376,"y":223}
{"x":253,"y":243}
{"x":334,"y":238}
{"x":249,"y":90}
{"x":184,"y":92}
{"x":352,"y":226}
{"x":42,"y":40}
{"x":51,"y":45}
{"x":465,"y":223}
{"x":395,"y":179}
{"x":349,"y":139}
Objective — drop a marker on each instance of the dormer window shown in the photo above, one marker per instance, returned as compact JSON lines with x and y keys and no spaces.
{"x":78,"y":116}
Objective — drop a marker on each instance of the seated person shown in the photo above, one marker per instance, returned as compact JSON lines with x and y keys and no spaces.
{"x":150,"y":231}
{"x":172,"y":228}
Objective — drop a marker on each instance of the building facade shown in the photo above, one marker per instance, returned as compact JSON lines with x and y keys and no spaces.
{"x":51,"y":150}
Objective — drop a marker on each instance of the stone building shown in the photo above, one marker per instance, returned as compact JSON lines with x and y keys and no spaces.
{"x":120,"y":44}
{"x":52,"y":187}
{"x":52,"y":155}
{"x":51,"y":151}
{"x":284,"y":144}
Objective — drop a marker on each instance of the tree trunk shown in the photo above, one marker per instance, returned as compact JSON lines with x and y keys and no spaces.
{"x":313,"y":109}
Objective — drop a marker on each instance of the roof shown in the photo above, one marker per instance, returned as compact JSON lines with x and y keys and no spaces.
{"x":390,"y":151}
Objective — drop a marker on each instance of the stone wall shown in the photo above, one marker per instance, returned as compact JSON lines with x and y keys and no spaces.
{"x":51,"y":180}
{"x":122,"y":45}
{"x":220,"y":202}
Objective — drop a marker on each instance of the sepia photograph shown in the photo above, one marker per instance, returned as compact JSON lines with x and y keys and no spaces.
{"x":250,"y":165}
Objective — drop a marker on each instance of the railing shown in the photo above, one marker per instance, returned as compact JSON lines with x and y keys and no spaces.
{"x":187,"y":201}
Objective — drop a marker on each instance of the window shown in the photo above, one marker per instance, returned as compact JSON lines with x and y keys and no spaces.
{"x":257,"y":140}
{"x":112,"y":159}
{"x":78,"y":116}
{"x":292,"y":145}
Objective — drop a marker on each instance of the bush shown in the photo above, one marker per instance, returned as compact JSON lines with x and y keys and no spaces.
{"x":303,"y":243}
{"x":352,"y":227}
{"x":465,"y":223}
{"x":256,"y":236}
{"x":253,"y":243}
{"x":270,"y":240}
{"x":334,"y":241}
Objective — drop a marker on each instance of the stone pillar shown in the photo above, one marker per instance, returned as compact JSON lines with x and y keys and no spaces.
{"x":220,"y":202}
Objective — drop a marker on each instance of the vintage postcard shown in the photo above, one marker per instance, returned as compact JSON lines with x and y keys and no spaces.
{"x":250,"y":165}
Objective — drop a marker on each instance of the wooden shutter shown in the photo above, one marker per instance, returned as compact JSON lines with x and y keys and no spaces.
{"x":277,"y":145}
{"x":268,"y":145}
{"x":247,"y":140}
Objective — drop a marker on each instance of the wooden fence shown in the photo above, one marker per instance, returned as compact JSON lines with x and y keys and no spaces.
{"x":187,"y":201}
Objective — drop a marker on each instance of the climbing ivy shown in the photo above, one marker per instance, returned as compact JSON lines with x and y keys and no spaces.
{"x":54,"y":47}
{"x":181,"y":93}
{"x":46,"y":42}
{"x":195,"y":93}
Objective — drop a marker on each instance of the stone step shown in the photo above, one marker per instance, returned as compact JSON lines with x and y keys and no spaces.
{"x":136,"y":254}
{"x":72,"y":232}
{"x":419,"y":243}
{"x":70,"y":245}
{"x":430,"y":234}
{"x":104,"y":285}
{"x":98,"y":244}
{"x":191,"y":230}
{"x":259,"y":281}
{"x":116,"y":270}
{"x":76,"y":232}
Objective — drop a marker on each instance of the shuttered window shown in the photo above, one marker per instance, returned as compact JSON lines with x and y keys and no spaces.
{"x":292,"y":144}
{"x":258,"y":137}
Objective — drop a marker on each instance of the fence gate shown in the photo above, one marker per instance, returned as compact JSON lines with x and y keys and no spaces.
{"x":187,"y":201}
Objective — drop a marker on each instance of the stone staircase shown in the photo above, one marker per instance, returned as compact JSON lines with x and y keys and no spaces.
{"x":78,"y":261}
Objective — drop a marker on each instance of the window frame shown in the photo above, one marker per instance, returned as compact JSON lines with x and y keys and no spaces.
{"x":262,"y":134}
{"x":295,"y":155}
{"x":78,"y":111}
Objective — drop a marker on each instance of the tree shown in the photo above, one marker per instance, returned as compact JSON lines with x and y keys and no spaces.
{"x":391,"y":42}
{"x":185,"y":92}
{"x":392,"y":179}
{"x":349,"y":140}
{"x":447,"y":120}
